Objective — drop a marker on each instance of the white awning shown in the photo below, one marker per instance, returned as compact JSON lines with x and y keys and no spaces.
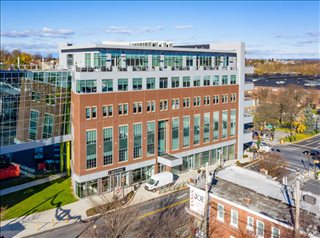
{"x":170,"y":160}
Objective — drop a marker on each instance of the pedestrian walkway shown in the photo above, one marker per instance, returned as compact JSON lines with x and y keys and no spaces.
{"x":31,"y":184}
{"x":76,"y":212}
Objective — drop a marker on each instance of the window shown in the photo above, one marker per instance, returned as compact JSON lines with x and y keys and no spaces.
{"x":224,"y":79}
{"x":224,"y":98}
{"x":151,"y":83}
{"x":234,"y":218}
{"x":206,"y":81}
{"x":215,"y":125}
{"x":107,"y":146}
{"x":186,"y":82}
{"x":123,"y":109}
{"x":137,"y":144}
{"x":33,"y":125}
{"x":137,"y":107}
{"x":107,"y":111}
{"x":260,"y":229}
{"x":94,"y":112}
{"x":186,"y":102}
{"x":122,"y":84}
{"x":233,"y":118}
{"x":163,"y":105}
{"x":123,"y":143}
{"x":86,"y":86}
{"x":215,"y":80}
{"x":250,"y":223}
{"x":151,"y":106}
{"x":275,"y":232}
{"x":215,"y":99}
{"x":206,"y":100}
{"x":69,"y":60}
{"x":175,"y":82}
{"x":206,"y":128}
{"x":196,"y":129}
{"x":233,"y":97}
{"x":151,"y":138}
{"x":35,"y":96}
{"x":175,"y":103}
{"x":50,"y":100}
{"x":163,"y":83}
{"x":107,"y":85}
{"x":224,"y":124}
{"x":87,"y":60}
{"x":88,"y":112}
{"x":197,"y":101}
{"x":220,"y":212}
{"x":47,"y":126}
{"x":175,"y":134}
{"x":233,"y":79}
{"x":186,"y":131}
{"x":137,"y":84}
{"x":196,"y":81}
{"x":91,"y":141}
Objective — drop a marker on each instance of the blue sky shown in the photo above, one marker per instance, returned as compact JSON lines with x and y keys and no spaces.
{"x":269,"y":29}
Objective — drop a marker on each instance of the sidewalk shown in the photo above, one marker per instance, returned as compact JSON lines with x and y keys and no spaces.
{"x":31,"y":184}
{"x":76,"y":212}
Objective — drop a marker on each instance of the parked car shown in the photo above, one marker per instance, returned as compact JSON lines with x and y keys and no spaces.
{"x":265,"y":148}
{"x":158,"y":181}
{"x":314,"y":153}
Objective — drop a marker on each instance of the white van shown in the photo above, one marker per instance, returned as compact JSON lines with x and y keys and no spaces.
{"x":159,"y":180}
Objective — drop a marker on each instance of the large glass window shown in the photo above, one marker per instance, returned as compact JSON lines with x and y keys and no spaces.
{"x":206,"y":81}
{"x":196,"y":81}
{"x":224,"y":79}
{"x":186,"y":131}
{"x":87,"y":86}
{"x":91,"y":140}
{"x":224,"y":124}
{"x":206,"y":127}
{"x":231,"y":152}
{"x":175,"y":134}
{"x":107,"y":85}
{"x":163,"y":83}
{"x":151,"y":138}
{"x":233,"y":79}
{"x":151,"y":83}
{"x":33,"y":126}
{"x":87,"y":59}
{"x":215,"y":80}
{"x":233,"y":117}
{"x":137,"y":84}
{"x":122,"y":84}
{"x":137,"y":147}
{"x":175,"y":82}
{"x":215,"y":125}
{"x":107,"y":146}
{"x":47,"y":126}
{"x":123,"y":143}
{"x":196,"y":129}
{"x":186,"y":82}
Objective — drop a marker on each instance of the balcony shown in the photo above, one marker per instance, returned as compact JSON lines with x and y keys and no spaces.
{"x":248,"y":86}
{"x":249,"y":70}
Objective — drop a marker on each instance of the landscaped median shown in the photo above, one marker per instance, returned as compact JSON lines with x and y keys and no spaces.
{"x":297,"y":136}
{"x":39,"y":198}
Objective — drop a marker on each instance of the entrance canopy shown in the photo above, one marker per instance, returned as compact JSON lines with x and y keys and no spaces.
{"x":169,"y":160}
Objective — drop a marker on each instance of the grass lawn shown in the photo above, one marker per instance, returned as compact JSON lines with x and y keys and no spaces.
{"x":38,"y":198}
{"x":299,"y":137}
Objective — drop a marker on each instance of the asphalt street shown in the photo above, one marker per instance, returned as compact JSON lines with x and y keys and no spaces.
{"x":169,"y":205}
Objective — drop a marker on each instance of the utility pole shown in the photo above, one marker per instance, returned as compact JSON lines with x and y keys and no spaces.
{"x":206,"y":212}
{"x":297,"y":204}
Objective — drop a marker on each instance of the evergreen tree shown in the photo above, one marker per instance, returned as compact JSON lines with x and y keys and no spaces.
{"x":309,"y":119}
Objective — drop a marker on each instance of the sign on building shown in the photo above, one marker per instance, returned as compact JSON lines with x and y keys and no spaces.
{"x":197,"y":200}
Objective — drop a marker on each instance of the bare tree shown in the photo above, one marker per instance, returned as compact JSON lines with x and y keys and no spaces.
{"x":273,"y":163}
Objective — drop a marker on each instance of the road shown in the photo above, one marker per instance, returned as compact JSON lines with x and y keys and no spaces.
{"x":157,"y":211}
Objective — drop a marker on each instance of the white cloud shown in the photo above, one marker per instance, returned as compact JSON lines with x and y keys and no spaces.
{"x":42,"y":48}
{"x":279,"y":54}
{"x":132,"y":30}
{"x":44,"y":32}
{"x":181,"y":27}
